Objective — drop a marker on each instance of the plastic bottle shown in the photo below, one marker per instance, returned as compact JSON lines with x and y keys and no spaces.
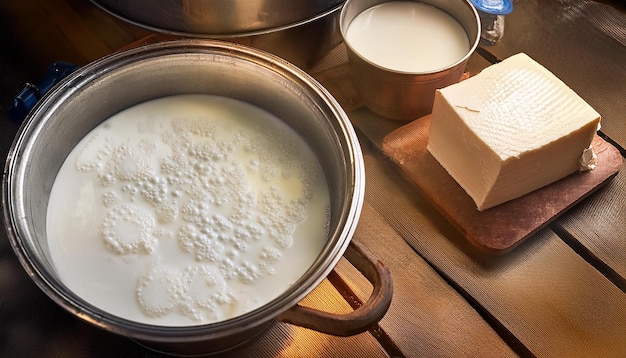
{"x":491,"y":13}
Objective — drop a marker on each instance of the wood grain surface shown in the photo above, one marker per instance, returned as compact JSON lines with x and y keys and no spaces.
{"x":427,"y":317}
{"x":543,"y":298}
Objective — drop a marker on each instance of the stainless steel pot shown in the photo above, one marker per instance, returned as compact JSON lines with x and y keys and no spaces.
{"x":95,"y":92}
{"x":299,"y":31}
{"x":217,"y":17}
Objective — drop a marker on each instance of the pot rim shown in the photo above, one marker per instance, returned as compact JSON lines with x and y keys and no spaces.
{"x":473,"y":40}
{"x":15,"y":213}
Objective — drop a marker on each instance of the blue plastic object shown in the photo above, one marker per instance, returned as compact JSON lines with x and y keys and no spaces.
{"x":494,"y":7}
{"x":28,"y":97}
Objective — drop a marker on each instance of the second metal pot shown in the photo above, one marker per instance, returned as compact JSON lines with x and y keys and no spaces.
{"x":298,"y":31}
{"x":217,"y":17}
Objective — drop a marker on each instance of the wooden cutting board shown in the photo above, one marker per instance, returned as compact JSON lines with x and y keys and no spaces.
{"x":501,"y":228}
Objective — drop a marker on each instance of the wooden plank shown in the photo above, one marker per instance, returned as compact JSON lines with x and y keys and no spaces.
{"x":505,"y":226}
{"x":542,"y":293}
{"x":75,"y":31}
{"x":112,"y":31}
{"x":39,"y":38}
{"x":599,"y":226}
{"x":74,"y":28}
{"x":427,"y":316}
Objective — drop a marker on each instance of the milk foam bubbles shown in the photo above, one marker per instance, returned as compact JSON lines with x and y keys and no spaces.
{"x":408,"y":36}
{"x":187,"y":210}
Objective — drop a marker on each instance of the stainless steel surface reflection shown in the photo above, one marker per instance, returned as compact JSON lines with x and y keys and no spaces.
{"x":299,"y":31}
{"x":216,"y":17}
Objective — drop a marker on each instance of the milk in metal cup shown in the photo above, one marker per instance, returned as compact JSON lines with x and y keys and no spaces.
{"x":408,"y":36}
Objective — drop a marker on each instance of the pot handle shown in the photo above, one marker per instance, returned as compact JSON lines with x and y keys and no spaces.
{"x":32,"y":93}
{"x":362,"y":318}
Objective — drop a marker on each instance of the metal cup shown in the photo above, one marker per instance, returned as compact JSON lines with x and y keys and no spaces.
{"x":406,"y":95}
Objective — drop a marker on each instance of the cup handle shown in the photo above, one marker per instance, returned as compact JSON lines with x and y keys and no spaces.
{"x":362,"y":318}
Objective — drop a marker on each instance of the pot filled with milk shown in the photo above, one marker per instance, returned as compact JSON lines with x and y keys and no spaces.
{"x":187,"y":194}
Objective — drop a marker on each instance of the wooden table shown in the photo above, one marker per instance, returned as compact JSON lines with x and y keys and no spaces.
{"x":561,"y":293}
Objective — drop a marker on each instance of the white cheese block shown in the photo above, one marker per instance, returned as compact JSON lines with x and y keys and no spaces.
{"x":509,"y":130}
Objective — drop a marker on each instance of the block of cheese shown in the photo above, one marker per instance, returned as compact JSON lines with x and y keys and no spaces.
{"x":511,"y":129}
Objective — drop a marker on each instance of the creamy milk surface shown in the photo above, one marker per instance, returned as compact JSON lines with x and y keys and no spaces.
{"x":187,"y":210}
{"x":408,"y":36}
